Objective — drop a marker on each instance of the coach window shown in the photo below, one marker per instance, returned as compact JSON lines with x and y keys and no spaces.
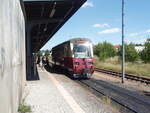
{"x":69,"y":50}
{"x":65,"y":51}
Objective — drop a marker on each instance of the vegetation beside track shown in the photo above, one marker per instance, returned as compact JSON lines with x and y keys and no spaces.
{"x":137,"y":68}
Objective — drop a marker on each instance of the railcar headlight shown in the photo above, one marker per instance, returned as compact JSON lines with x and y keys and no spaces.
{"x":76,"y":63}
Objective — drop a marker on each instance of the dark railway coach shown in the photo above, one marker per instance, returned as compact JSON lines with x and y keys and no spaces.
{"x":76,"y":56}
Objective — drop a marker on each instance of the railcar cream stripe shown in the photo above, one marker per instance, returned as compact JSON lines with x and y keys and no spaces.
{"x":69,"y":99}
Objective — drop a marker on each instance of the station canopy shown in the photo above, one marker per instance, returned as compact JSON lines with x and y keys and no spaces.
{"x":45,"y":17}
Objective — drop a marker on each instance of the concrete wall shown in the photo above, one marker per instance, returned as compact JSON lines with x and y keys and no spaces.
{"x":12,"y":55}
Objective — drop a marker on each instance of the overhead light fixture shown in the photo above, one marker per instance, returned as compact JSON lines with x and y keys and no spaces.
{"x":45,"y":29}
{"x":52,"y":13}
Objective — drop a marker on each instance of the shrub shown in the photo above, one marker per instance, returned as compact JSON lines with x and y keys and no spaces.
{"x":104,"y":50}
{"x":131,"y":54}
{"x":145,"y":54}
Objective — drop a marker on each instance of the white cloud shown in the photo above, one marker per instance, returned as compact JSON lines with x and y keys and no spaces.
{"x":88,"y":4}
{"x":139,"y":33}
{"x":135,"y":34}
{"x":101,"y":25}
{"x":140,"y":41}
{"x":108,"y":31}
{"x":148,"y":31}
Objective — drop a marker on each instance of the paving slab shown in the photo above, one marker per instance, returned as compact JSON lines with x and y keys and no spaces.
{"x":56,"y":93}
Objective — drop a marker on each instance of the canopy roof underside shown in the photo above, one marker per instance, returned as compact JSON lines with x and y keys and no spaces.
{"x":45,"y":18}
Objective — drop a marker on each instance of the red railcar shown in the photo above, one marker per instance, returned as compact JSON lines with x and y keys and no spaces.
{"x":75,"y":55}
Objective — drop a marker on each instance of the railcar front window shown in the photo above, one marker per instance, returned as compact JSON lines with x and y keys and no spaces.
{"x":81,"y":51}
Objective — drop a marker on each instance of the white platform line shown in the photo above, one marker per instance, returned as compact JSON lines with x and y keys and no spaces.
{"x":69,"y":99}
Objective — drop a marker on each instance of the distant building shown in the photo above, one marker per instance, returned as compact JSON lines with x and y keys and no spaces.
{"x":117,"y":47}
{"x":139,"y":48}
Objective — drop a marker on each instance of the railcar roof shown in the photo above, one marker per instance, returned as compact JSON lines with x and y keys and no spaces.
{"x":72,"y":40}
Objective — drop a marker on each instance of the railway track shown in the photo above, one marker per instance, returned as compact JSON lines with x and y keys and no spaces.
{"x":128,"y":76}
{"x":130,"y":102}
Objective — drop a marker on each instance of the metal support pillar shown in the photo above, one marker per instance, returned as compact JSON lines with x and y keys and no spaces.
{"x":123,"y":51}
{"x":30,"y":66}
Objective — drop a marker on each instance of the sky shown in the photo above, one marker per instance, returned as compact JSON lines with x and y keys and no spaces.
{"x":100,"y":20}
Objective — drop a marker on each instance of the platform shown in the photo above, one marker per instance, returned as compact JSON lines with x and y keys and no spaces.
{"x":56,"y":93}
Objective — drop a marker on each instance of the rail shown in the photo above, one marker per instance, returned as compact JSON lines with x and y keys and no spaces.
{"x":127,"y":100}
{"x":128,"y":76}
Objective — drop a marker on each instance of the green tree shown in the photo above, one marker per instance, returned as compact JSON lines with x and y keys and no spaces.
{"x":104,"y":50}
{"x":39,"y":53}
{"x":131,"y":54}
{"x":47,"y":53}
{"x":145,"y":54}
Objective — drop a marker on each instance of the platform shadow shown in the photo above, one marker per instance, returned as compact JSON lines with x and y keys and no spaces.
{"x":33,"y":76}
{"x":60,"y":71}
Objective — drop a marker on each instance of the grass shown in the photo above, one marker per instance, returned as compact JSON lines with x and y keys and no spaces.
{"x":106,"y":100}
{"x":24,"y":108}
{"x":141,"y":69}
